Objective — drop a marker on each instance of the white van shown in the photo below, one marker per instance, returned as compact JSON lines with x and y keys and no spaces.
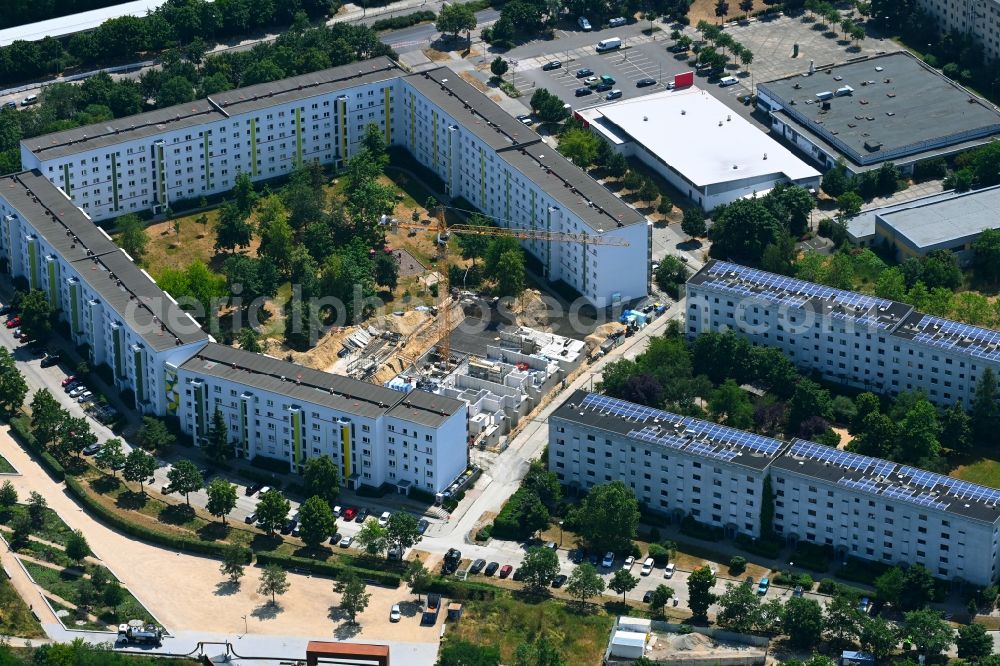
{"x":609,"y":44}
{"x":728,"y":81}
{"x":647,"y":567}
{"x":29,"y":100}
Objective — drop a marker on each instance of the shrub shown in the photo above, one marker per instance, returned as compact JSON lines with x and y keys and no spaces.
{"x":21,"y":427}
{"x":485,"y":533}
{"x":456,"y":589}
{"x":659,"y":554}
{"x":331,"y":569}
{"x":737,"y":565}
{"x":404,"y":21}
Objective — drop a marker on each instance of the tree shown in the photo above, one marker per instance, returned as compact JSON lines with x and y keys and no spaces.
{"x":373,"y":142}
{"x":918,"y":588}
{"x":700,"y":596}
{"x":843,"y":620}
{"x":77,"y":548}
{"x":316,"y":521}
{"x":693,"y":223}
{"x":580,"y":146}
{"x":616,"y":165}
{"x":221,"y":498}
{"x":803,"y":622}
{"x":539,"y":567}
{"x":245,"y":197}
{"x":253,"y":280}
{"x":499,"y":67}
{"x":8,"y":495}
{"x":272,"y":510}
{"x":139,"y":466}
{"x":321,"y":478}
{"x":670,"y":275}
{"x":740,"y":608}
{"x":986,"y":256}
{"x":132,"y":237}
{"x":113,"y":594}
{"x":510,"y":273}
{"x":836,"y":181}
{"x":809,"y":399}
{"x":234,"y":560}
{"x":608,"y":517}
{"x":743,"y":229}
{"x":232,"y":229}
{"x":217,"y":444}
{"x":276,"y":234}
{"x":930,"y":634}
{"x":584,"y":582}
{"x":20,"y":532}
{"x":373,"y":538}
{"x":402,"y":531}
{"x":75,"y":435}
{"x":153,"y":435}
{"x":47,"y":416}
{"x":889,"y":586}
{"x":730,"y":405}
{"x":455,"y":18}
{"x":879,"y":637}
{"x":623,"y":582}
{"x":418,"y":577}
{"x":661,"y":597}
{"x":13,"y":388}
{"x":648,"y":191}
{"x":249,"y":340}
{"x":184,"y":477}
{"x":273,"y":581}
{"x":353,"y":597}
{"x":111,"y":456}
{"x":891,"y":284}
{"x":721,"y":9}
{"x":197,"y":289}
{"x":985,"y":407}
{"x":548,"y":107}
{"x":973,"y":642}
{"x":849,"y":204}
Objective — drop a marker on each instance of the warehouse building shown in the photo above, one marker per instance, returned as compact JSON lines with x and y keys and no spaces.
{"x":482,"y":154}
{"x":289,"y":412}
{"x":858,"y":506}
{"x":849,"y":338}
{"x":886,"y":108}
{"x":699,"y":145}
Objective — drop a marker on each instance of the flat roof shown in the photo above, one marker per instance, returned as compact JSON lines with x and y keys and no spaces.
{"x":67,"y":25}
{"x":702,"y":138}
{"x":952,"y":336}
{"x":211,"y":109}
{"x":862,"y":226}
{"x":670,"y":431}
{"x":147,"y":309}
{"x":337,"y":392}
{"x":889,"y":480}
{"x":962,"y":216}
{"x":743,"y":282}
{"x":897,"y":106}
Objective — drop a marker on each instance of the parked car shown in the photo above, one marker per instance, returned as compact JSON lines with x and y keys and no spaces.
{"x":798,"y":591}
{"x":586,"y":71}
{"x":349,"y":513}
{"x":383,"y":520}
{"x":394,"y":613}
{"x":69,"y":380}
{"x":491,"y":568}
{"x":559,"y":580}
{"x":362,"y":516}
{"x":584,"y":24}
{"x":763,"y":585}
{"x":647,"y":567}
{"x":525,"y":118}
{"x":583,"y":91}
{"x":346,"y":541}
{"x":552,"y":545}
{"x":617,"y":22}
{"x":614,"y":94}
{"x":518,"y":574}
{"x":51,"y":360}
{"x":645,"y":83}
{"x":726,"y":81}
{"x":668,"y":571}
{"x":77,"y":391}
{"x":337,"y":510}
{"x":92,"y":449}
{"x":6,"y":309}
{"x":609,"y":559}
{"x":602,"y":87}
{"x":252,"y":489}
{"x":85,"y":396}
{"x":71,"y":386}
{"x":629,"y":561}
{"x":749,"y":580}
{"x":505,"y":570}
{"x":265,"y":489}
{"x":648,"y":597}
{"x":251,"y":519}
{"x":550,"y":65}
{"x":13,"y":322}
{"x":607,"y":78}
{"x":335,"y":539}
{"x":422,"y":525}
{"x":477,"y":566}
{"x":678,"y":48}
{"x":591,"y":80}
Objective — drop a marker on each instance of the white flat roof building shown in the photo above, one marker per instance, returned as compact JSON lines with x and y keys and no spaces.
{"x":67,"y":25}
{"x":704,"y":148}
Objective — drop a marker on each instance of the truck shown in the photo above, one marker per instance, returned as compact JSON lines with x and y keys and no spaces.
{"x":137,"y":632}
{"x":431,"y":609}
{"x":609,"y":44}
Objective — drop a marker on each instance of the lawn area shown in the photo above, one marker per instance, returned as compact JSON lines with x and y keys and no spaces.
{"x":506,"y":622}
{"x":66,"y":585}
{"x":977,"y":468}
{"x":15,"y":616}
{"x":6,"y":467}
{"x":72,"y":620}
{"x":52,"y":529}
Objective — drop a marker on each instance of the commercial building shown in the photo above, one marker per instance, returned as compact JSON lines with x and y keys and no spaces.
{"x":849,"y":338}
{"x":699,"y":145}
{"x":980,"y":19}
{"x":886,"y":108}
{"x":952,"y":224}
{"x":285,"y":411}
{"x":858,"y":506}
{"x":483,"y":155}
{"x":861,"y":227}
{"x":163,"y":363}
{"x":105,"y":303}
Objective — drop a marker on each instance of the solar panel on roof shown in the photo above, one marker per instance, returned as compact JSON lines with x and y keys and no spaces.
{"x":867,"y":485}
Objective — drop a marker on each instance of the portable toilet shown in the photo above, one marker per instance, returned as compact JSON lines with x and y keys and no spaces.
{"x":454,"y":611}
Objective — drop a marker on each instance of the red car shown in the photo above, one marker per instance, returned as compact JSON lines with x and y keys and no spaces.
{"x":68,"y":380}
{"x":505,"y":570}
{"x":349,"y":513}
{"x":14,"y":322}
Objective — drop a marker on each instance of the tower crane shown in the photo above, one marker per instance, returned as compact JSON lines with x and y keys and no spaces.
{"x":442,"y":229}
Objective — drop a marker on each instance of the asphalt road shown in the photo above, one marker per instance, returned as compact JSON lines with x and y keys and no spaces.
{"x":419,"y":36}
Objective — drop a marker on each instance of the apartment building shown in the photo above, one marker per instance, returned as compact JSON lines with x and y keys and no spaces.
{"x":980,"y":19}
{"x":285,"y":411}
{"x":109,"y":305}
{"x":849,"y":338}
{"x":482,"y":154}
{"x":859,"y":506}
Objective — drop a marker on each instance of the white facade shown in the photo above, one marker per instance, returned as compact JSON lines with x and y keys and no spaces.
{"x":482,"y":155}
{"x":855,"y":505}
{"x":852,"y":339}
{"x":106,"y":302}
{"x":980,"y":19}
{"x":283,"y":411}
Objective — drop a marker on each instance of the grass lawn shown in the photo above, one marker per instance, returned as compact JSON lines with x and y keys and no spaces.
{"x":977,"y":468}
{"x":15,"y":616}
{"x":506,"y":623}
{"x":52,"y":529}
{"x":71,"y":620}
{"x":66,"y":585}
{"x":6,"y":467}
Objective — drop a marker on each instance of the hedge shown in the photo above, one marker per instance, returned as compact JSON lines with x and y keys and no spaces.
{"x":768,"y":548}
{"x":21,"y":427}
{"x":331,"y":569}
{"x":462,"y":590}
{"x":98,"y":510}
{"x":404,"y":21}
